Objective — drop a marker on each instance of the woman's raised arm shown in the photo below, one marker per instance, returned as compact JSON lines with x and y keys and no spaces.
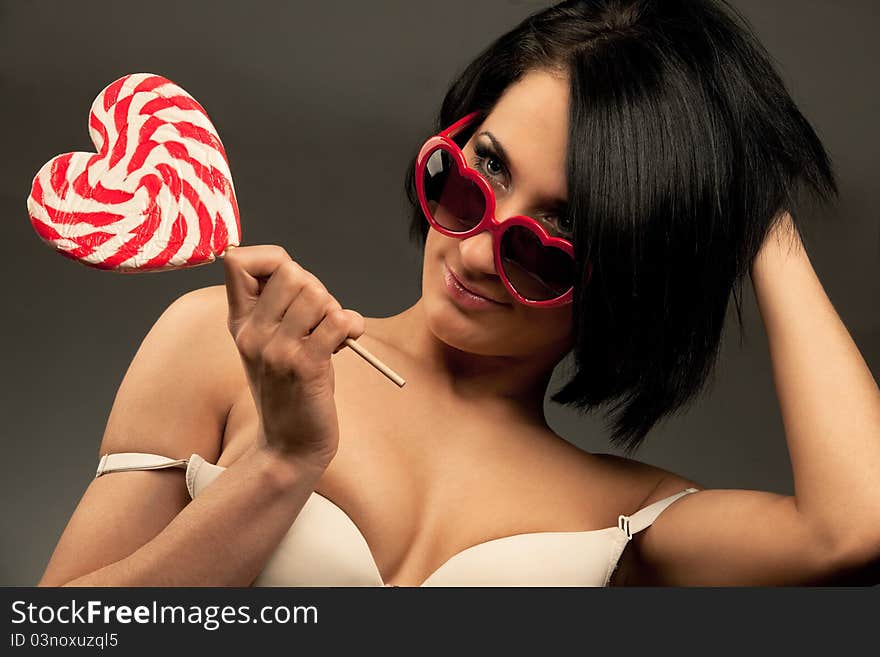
{"x":829,"y":530}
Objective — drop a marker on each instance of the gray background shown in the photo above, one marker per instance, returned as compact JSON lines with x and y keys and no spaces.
{"x":300,"y":93}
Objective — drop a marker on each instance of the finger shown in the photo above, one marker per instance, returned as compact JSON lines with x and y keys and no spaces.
{"x":329,"y":336}
{"x":279,"y":293}
{"x":307,"y":310}
{"x":244,"y":267}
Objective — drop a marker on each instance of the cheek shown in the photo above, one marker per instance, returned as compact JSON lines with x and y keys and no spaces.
{"x":435,"y":250}
{"x":432,"y":249}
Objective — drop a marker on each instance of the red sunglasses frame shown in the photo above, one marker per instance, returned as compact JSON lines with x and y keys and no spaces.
{"x":443,"y":140}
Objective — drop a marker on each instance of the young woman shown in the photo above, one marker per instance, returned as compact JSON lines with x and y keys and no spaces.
{"x":600,"y":180}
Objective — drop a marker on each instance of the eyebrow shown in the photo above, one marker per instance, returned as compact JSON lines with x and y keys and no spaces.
{"x":557,"y":204}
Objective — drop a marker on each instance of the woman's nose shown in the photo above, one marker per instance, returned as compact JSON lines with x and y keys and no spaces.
{"x":477,"y":254}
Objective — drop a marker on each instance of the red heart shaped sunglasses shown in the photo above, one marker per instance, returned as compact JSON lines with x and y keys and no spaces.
{"x":536,"y":268}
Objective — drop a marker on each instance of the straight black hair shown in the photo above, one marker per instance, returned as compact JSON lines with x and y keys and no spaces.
{"x":684,"y":150}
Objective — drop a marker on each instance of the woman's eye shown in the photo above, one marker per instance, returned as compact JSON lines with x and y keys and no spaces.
{"x":563,"y":222}
{"x":487,"y":164}
{"x":493,"y":167}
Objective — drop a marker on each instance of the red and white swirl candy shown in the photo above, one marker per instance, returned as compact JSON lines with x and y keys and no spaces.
{"x":157,"y":194}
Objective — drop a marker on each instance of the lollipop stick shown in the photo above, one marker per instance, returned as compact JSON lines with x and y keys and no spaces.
{"x":362,"y":351}
{"x":375,"y":362}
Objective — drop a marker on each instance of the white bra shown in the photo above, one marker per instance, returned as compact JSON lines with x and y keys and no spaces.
{"x":324,"y":547}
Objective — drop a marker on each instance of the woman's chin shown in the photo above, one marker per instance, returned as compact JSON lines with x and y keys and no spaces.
{"x":461,"y":331}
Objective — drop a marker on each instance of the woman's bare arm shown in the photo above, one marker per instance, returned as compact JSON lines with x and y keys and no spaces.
{"x":830,"y":403}
{"x":140,"y":528}
{"x":224,"y":536}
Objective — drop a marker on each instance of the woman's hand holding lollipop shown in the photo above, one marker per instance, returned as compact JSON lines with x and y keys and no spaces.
{"x":286,"y":332}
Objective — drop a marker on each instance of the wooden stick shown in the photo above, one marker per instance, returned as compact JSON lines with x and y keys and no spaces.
{"x":375,"y":362}
{"x":361,"y":350}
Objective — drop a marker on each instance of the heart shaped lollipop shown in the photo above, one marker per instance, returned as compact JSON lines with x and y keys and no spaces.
{"x":157,"y":194}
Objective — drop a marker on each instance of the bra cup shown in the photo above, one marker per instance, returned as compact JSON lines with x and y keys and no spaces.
{"x":323,"y":547}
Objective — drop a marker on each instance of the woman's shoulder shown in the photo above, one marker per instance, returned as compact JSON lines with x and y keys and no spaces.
{"x":658,"y":483}
{"x":195,"y":326}
{"x":181,"y":382}
{"x":624,"y":484}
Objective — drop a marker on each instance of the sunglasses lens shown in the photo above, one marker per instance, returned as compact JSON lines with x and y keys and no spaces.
{"x":537,"y":272}
{"x":455,"y":202}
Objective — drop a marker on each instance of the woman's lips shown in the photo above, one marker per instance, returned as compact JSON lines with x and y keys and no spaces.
{"x":464,"y":296}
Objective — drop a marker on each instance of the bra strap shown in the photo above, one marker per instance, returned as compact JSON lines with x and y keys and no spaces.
{"x":122,"y":461}
{"x":644,"y":517}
